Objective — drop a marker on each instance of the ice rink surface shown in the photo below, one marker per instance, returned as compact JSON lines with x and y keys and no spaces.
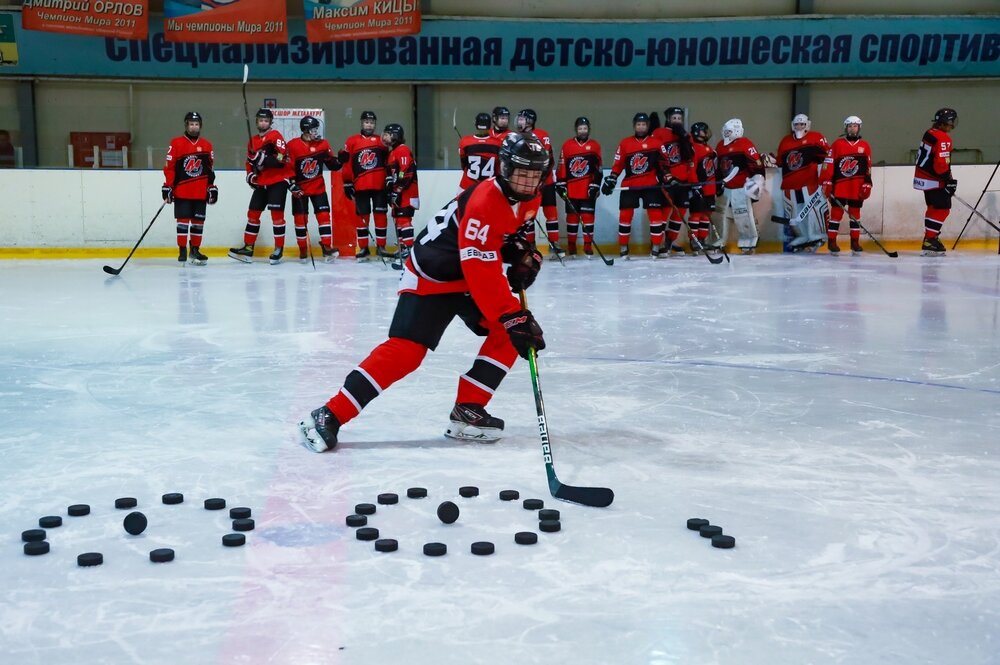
{"x":839,"y":417}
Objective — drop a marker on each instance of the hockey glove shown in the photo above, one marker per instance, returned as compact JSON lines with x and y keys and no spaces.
{"x":561,"y":190}
{"x":168,"y":194}
{"x":666,"y":179}
{"x":294,"y":189}
{"x":525,"y":261}
{"x":252,"y":180}
{"x":695,"y":195}
{"x":610,"y":182}
{"x":349,"y":190}
{"x":213,"y":195}
{"x":256,"y":160}
{"x":525,"y":333}
{"x":592,"y":190}
{"x":866,"y":191}
{"x":951,"y":187}
{"x":754,"y":186}
{"x":394,"y":198}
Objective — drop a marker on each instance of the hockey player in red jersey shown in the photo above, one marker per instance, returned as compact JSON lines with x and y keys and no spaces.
{"x":800,"y":158}
{"x":364,"y":159}
{"x":643,"y":160}
{"x":677,"y":144}
{"x":528,"y":211}
{"x":268,"y":172}
{"x":933,"y":177}
{"x":189,"y":183}
{"x":735,"y":150}
{"x":501,"y":124}
{"x":701,"y":197}
{"x":308,"y":155}
{"x":478,"y":153}
{"x":456,"y":269}
{"x":847,"y":181}
{"x":401,"y":186}
{"x":578,"y":179}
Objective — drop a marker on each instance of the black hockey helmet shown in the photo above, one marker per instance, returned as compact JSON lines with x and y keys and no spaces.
{"x":365,"y":117}
{"x":368,"y":115}
{"x":395,"y":133}
{"x":529,"y":116}
{"x":500,"y":111}
{"x":672,"y":110}
{"x":482,"y":121}
{"x":192,"y":116}
{"x":640,"y":117}
{"x":522,"y":152}
{"x":582,"y":121}
{"x":701,"y":132}
{"x":946,"y":116}
{"x":309,"y":125}
{"x":265,"y":113}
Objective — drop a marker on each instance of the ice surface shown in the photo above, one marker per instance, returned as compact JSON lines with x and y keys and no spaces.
{"x":839,"y":417}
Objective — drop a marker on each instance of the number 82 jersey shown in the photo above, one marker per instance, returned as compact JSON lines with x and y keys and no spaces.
{"x":478,"y":155}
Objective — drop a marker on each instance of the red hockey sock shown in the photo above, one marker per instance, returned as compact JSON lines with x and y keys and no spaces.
{"x":278,"y":225}
{"x":388,"y":362}
{"x":325,"y":229}
{"x":182,"y":232}
{"x":381,"y":228}
{"x":253,"y":227}
{"x":933,"y":221}
{"x":496,"y":356}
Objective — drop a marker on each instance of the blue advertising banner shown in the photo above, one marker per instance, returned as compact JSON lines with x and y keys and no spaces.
{"x":584,"y":51}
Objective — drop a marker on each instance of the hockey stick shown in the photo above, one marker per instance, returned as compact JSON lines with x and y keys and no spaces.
{"x":246,"y":111}
{"x":569,"y":204}
{"x":858,"y":222}
{"x":309,"y":244}
{"x":598,"y":497}
{"x":713,"y":260}
{"x":115,"y":271}
{"x":978,"y":201}
{"x":801,"y":216}
{"x":729,"y":176}
{"x":552,"y":246}
{"x":454,"y":123}
{"x":975,"y":212}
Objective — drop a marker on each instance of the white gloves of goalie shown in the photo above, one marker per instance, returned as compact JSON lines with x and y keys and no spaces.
{"x":754,"y":187}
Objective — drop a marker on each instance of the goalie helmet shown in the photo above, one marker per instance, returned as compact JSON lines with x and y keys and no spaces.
{"x":394,"y":132}
{"x":701,"y":132}
{"x":732,"y":130}
{"x":482,"y":121}
{"x":852,"y":120}
{"x":946,"y":116}
{"x":801,"y":119}
{"x":309,"y":126}
{"x":522,"y":157}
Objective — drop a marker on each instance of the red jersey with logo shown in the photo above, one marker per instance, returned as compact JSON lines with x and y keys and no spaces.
{"x":579,"y":167}
{"x":642,"y":161}
{"x":742,"y":154}
{"x":933,"y":161}
{"x":402,"y":169}
{"x":848,"y":166}
{"x":190,"y":168}
{"x":478,"y":155}
{"x":679,"y":168}
{"x":546,"y":141}
{"x":307,"y":159}
{"x":704,"y":168}
{"x":277,"y":166}
{"x":365,"y":165}
{"x":800,"y":160}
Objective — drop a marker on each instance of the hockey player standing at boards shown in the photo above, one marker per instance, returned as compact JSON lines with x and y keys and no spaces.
{"x":189,"y":183}
{"x":578,"y":178}
{"x":677,"y":144}
{"x":742,"y":189}
{"x":701,"y":200}
{"x":847,"y":181}
{"x":456,"y":269}
{"x":308,"y":155}
{"x":528,"y":211}
{"x":364,"y":159}
{"x":268,"y":171}
{"x":477,"y":153}
{"x":933,"y":177}
{"x":401,"y":187}
{"x":800,"y":158}
{"x":501,"y":123}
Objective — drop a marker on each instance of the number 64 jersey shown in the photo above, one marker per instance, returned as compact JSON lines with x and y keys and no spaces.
{"x":459,"y":251}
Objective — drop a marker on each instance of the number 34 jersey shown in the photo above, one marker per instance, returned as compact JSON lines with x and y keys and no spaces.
{"x":478,"y":155}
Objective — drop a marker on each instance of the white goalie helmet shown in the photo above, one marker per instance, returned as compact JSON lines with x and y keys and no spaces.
{"x":852,"y":120}
{"x":801,"y":119}
{"x":732,"y":130}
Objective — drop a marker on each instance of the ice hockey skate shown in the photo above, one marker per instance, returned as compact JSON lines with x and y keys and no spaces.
{"x":471,"y":422}
{"x":319,"y":430}
{"x":276,"y":256}
{"x":932,"y":247}
{"x":244,"y":253}
{"x":196,"y":258}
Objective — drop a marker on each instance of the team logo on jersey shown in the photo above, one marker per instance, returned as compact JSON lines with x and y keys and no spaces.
{"x":638,"y":164}
{"x":674,"y":153}
{"x":578,"y":167}
{"x":725,"y":165}
{"x":309,"y":168}
{"x":708,"y":166}
{"x":794,"y":160}
{"x":849,"y":166}
{"x":192,"y":166}
{"x":368,"y":159}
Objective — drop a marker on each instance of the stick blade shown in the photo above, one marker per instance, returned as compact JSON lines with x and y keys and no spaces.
{"x":112,"y":271}
{"x":893,"y":255}
{"x":246,"y":73}
{"x":595,"y":497}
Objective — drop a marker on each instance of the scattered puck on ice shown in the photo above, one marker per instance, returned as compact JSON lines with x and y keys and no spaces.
{"x":173,"y":498}
{"x":435,"y":549}
{"x":365,"y":509}
{"x":90,"y":559}
{"x":710,"y":530}
{"x":240,"y":513}
{"x":549,"y":526}
{"x":509,"y":495}
{"x":723,"y":542}
{"x":161,"y":555}
{"x":366,"y":533}
{"x":233,"y":539}
{"x":533,"y":504}
{"x":33,"y":535}
{"x":245,"y":524}
{"x":386,"y":545}
{"x":356,"y":520}
{"x":135,"y":523}
{"x":50,"y":521}
{"x":525,"y":537}
{"x":388,"y":499}
{"x":548,"y":514}
{"x":416,"y":492}
{"x":37,"y":547}
{"x":482,"y":548}
{"x":78,"y":510}
{"x":696,"y":523}
{"x":468,"y":491}
{"x":215,"y":504}
{"x":126,"y":502}
{"x":447,"y":512}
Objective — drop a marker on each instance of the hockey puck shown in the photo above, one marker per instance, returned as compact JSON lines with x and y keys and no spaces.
{"x":90,"y":559}
{"x":468,"y":491}
{"x":365,"y":509}
{"x":233,"y":539}
{"x":126,"y":502}
{"x":357,"y":520}
{"x":696,"y":523}
{"x":509,"y":495}
{"x":447,"y":512}
{"x":49,"y":521}
{"x":548,"y":514}
{"x":386,"y":545}
{"x":533,"y":504}
{"x":416,"y":492}
{"x":240,"y":513}
{"x":435,"y":549}
{"x":33,"y":535}
{"x":388,"y":499}
{"x":723,"y":542}
{"x":215,"y":504}
{"x":135,"y":523}
{"x":710,"y":530}
{"x":483,"y":548}
{"x":525,"y":537}
{"x":366,"y":533}
{"x":549,"y":526}
{"x":78,"y":510}
{"x":37,"y":547}
{"x":245,"y":524}
{"x":172,"y":498}
{"x":161,"y":555}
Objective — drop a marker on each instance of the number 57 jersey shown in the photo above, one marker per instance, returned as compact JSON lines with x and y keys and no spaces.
{"x":478,"y":155}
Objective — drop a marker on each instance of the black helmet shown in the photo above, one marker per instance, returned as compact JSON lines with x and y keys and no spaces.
{"x":499,"y":111}
{"x":368,"y":115}
{"x":582,"y":120}
{"x":192,"y":116}
{"x":701,"y":132}
{"x":395,"y":132}
{"x":522,"y":151}
{"x":309,"y":125}
{"x":482,"y":121}
{"x":946,"y":116}
{"x":640,"y":117}
{"x":265,"y":113}
{"x":672,"y":110}
{"x":530,"y":117}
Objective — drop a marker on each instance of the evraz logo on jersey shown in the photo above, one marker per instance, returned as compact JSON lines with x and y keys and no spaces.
{"x":578,"y":167}
{"x":309,"y":168}
{"x":849,"y":166}
{"x":192,"y":166}
{"x":368,"y":159}
{"x":794,"y":160}
{"x":638,"y":164}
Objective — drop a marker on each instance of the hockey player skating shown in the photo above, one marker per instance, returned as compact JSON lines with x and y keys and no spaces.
{"x":933,"y":177}
{"x":578,"y":179}
{"x":364,"y":159}
{"x":268,"y":172}
{"x":847,"y":181}
{"x":528,"y":211}
{"x":744,"y":188}
{"x":477,"y":153}
{"x":401,"y":187}
{"x":189,"y":183}
{"x":308,"y":155}
{"x":674,"y":137}
{"x":800,"y":158}
{"x":456,"y":269}
{"x":701,"y":199}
